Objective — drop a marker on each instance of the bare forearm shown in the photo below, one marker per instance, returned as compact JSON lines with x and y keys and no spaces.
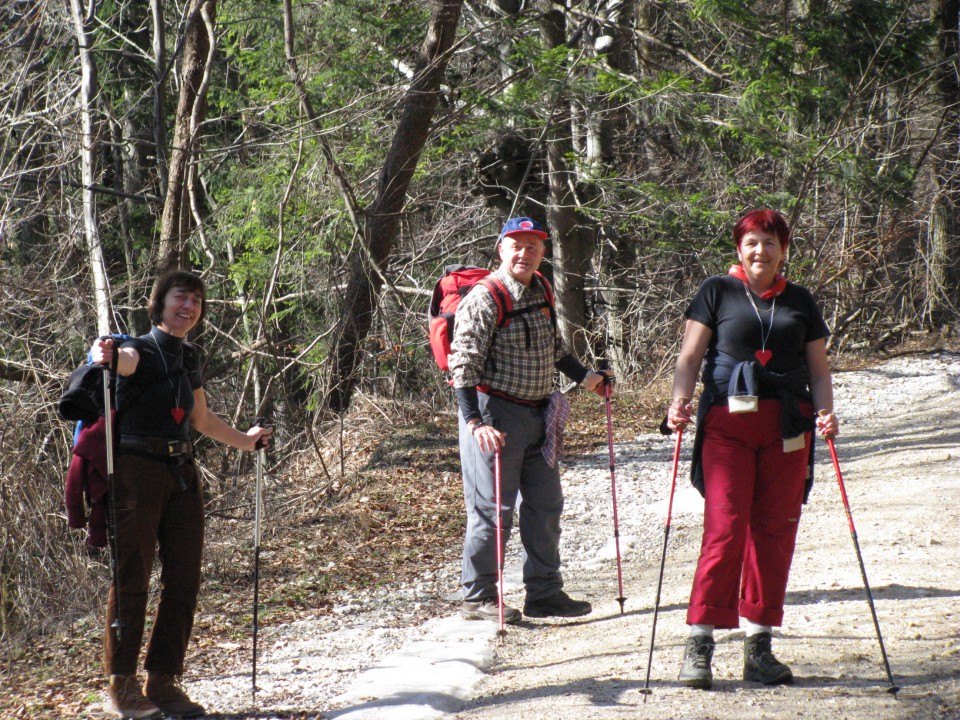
{"x":821,"y":389}
{"x":213,"y":426}
{"x":685,"y":379}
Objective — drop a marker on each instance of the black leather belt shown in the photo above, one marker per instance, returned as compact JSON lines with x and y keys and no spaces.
{"x":157,"y":446}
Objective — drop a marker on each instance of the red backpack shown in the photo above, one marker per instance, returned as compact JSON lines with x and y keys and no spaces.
{"x":453,"y":286}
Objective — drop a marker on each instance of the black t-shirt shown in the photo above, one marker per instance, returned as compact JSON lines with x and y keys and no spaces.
{"x":722,"y":305}
{"x":162,"y":387}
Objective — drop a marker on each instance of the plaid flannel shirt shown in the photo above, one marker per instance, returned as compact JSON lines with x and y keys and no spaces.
{"x":518,"y":359}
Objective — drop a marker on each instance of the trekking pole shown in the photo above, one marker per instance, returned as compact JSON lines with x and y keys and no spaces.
{"x":117,"y":623}
{"x":257,"y":512}
{"x":894,"y":689}
{"x":613,"y":491}
{"x":663,"y":560}
{"x":497,"y":481}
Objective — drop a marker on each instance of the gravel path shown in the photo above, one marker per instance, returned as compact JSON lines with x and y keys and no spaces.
{"x":402,"y":653}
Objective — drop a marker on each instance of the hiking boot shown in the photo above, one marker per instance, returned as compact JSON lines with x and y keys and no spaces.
{"x":557,"y":605}
{"x":759,"y":663}
{"x":696,"y":672}
{"x":128,"y":700}
{"x":164,"y":690}
{"x":488,"y":609}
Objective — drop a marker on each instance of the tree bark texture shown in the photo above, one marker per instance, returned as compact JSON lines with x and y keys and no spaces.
{"x":159,"y":92}
{"x":944,"y":224}
{"x":88,"y":142}
{"x":615,"y":255}
{"x":572,"y":236}
{"x":178,"y":222}
{"x":383,"y":215}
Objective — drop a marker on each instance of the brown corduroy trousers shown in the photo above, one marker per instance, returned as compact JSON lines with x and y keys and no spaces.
{"x":159,"y":513}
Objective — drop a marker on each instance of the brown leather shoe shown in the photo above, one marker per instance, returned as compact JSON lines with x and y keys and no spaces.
{"x":128,"y":700}
{"x":164,"y":690}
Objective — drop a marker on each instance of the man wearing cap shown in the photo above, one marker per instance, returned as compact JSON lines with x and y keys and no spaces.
{"x":504,"y":378}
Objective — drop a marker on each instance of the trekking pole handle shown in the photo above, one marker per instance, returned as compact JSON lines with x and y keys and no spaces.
{"x":260,"y":421}
{"x":603,"y":369}
{"x":115,"y":358}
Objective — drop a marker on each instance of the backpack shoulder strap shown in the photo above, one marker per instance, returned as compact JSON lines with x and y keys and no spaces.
{"x":547,"y":288}
{"x":548,"y":294}
{"x":502,"y":298}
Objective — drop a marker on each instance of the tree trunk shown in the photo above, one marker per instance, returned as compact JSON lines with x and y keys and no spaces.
{"x":572,"y":235}
{"x":605,"y":117}
{"x":178,"y":222}
{"x":159,"y":92}
{"x":615,"y":256}
{"x":944,"y":224}
{"x":383,"y":216}
{"x":88,"y":140}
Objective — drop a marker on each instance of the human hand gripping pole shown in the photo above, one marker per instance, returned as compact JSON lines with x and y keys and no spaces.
{"x":893,"y":688}
{"x":663,"y":557}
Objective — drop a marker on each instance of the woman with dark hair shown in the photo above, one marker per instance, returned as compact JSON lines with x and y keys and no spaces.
{"x":158,"y":500}
{"x":762,"y":344}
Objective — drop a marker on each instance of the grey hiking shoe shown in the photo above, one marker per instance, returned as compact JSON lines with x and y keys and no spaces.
{"x":488,"y":609}
{"x":696,"y":672}
{"x":557,"y":605}
{"x":759,"y":663}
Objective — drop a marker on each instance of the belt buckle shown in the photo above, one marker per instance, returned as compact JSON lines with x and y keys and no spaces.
{"x":173,"y":447}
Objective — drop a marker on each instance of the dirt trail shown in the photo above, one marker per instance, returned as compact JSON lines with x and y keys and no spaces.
{"x":900,"y":454}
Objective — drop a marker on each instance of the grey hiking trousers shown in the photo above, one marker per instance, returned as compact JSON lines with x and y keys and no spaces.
{"x":524,"y":473}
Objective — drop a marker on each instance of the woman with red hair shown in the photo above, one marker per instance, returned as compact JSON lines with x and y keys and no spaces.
{"x":761,"y":342}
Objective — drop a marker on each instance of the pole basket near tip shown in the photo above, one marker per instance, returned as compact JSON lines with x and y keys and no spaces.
{"x":893,"y":688}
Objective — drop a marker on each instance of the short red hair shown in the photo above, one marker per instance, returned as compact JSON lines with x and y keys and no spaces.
{"x":768,"y":221}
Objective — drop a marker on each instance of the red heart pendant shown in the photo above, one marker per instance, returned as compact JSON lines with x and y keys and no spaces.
{"x":763,"y":356}
{"x":178,"y":414}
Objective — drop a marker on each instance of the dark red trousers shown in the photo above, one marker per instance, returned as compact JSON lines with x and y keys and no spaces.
{"x":752,"y":500}
{"x":159,"y":512}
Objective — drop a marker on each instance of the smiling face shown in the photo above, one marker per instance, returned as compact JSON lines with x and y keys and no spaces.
{"x":521,"y":254}
{"x":181,"y":311}
{"x":761,"y":255}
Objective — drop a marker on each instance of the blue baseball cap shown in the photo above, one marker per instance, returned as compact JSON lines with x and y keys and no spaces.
{"x":518,"y":225}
